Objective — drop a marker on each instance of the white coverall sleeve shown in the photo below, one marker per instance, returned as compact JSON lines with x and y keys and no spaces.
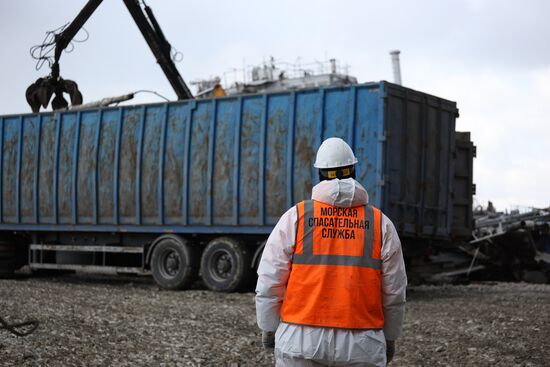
{"x":394,"y":281}
{"x":274,"y":271}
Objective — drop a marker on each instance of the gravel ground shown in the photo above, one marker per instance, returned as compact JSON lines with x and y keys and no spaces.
{"x":101,"y":321}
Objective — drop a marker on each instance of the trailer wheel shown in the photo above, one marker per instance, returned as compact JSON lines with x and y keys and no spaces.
{"x":7,"y":267}
{"x":225,"y":265}
{"x":174,"y":263}
{"x":7,"y":259}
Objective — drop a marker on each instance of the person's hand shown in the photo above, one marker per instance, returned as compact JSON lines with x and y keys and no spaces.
{"x":390,"y":350}
{"x":268,"y":339}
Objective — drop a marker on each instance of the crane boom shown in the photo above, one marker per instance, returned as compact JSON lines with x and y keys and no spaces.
{"x":159,"y":46}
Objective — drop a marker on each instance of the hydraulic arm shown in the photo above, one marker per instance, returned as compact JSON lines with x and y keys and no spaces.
{"x":40,"y":92}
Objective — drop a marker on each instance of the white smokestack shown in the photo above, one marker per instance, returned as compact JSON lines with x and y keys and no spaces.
{"x":333,"y":66}
{"x":396,"y":67}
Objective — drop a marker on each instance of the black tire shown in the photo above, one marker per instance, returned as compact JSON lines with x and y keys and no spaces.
{"x":7,"y":250}
{"x":7,"y":259}
{"x":7,"y":267}
{"x":226,"y":265}
{"x":174,"y":263}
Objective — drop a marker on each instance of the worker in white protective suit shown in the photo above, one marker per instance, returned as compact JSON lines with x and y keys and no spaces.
{"x":331,"y":281}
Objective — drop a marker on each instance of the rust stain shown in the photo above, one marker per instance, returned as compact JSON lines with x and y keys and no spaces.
{"x":46,"y":168}
{"x":128,"y":165}
{"x":28,"y":166}
{"x":106,"y":166}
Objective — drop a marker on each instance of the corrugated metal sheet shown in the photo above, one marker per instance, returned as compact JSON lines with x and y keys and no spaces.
{"x":419,"y":162}
{"x":228,"y":165}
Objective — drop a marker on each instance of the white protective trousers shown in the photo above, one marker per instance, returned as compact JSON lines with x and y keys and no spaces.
{"x":299,"y":345}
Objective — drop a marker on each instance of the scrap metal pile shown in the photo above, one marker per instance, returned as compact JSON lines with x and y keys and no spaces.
{"x":512,"y":245}
{"x":505,"y":246}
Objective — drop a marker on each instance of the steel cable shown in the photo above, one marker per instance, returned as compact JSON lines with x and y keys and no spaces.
{"x":45,"y":52}
{"x":21,"y":328}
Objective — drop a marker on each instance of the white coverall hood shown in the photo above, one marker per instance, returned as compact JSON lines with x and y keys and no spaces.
{"x":344,"y":193}
{"x":299,"y":345}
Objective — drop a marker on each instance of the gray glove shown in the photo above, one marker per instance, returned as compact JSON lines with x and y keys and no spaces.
{"x":268,"y":339}
{"x":390,"y":350}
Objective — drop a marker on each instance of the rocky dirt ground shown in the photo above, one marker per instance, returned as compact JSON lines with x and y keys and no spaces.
{"x":90,"y":320}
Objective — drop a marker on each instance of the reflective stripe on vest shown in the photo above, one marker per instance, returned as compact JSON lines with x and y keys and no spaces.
{"x":335,"y":279}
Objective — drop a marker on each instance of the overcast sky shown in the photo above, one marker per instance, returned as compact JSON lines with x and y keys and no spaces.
{"x":491,"y":57}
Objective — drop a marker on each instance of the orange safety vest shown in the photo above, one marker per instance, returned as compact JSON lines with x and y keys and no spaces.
{"x":335,"y":279}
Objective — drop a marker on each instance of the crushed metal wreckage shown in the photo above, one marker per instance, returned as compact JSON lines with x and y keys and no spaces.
{"x":505,"y":246}
{"x":512,"y":246}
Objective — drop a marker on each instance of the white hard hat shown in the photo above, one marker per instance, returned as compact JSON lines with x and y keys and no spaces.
{"x":334,"y":152}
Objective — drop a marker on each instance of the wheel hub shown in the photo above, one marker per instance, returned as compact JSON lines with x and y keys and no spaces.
{"x":171,"y":263}
{"x":222,"y":265}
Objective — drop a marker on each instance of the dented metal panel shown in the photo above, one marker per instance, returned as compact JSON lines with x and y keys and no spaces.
{"x":227,"y":165}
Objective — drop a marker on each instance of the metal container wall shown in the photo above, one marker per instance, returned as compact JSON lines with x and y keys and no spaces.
{"x":419,"y":162}
{"x":227,"y":165}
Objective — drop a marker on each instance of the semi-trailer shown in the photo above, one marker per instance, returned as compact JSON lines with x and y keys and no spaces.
{"x":194,"y":187}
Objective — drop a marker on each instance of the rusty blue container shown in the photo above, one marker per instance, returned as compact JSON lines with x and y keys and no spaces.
{"x":226,"y":165}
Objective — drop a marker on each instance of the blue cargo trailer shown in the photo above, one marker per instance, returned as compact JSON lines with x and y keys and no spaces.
{"x":151,"y":187}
